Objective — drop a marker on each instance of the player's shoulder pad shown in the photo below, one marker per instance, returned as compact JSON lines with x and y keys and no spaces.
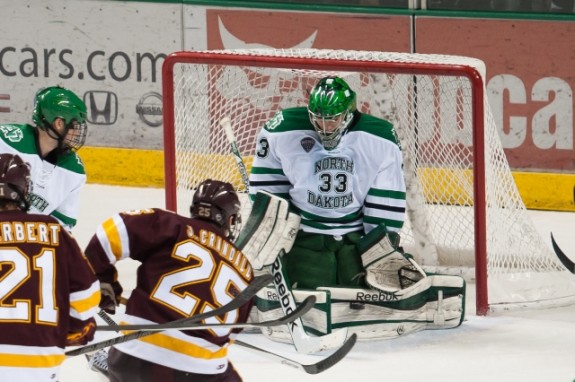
{"x":291,"y":119}
{"x":375,"y":126}
{"x":72,"y":162}
{"x":20,"y":137}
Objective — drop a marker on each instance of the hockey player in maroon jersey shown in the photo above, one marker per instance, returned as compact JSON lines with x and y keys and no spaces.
{"x":188,"y":266}
{"x":48,"y":293}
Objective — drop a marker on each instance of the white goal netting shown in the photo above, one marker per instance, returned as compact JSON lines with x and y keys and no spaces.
{"x":465,"y":214}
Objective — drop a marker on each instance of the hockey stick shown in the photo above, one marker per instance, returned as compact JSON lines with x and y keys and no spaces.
{"x":244,"y":297}
{"x":566,"y":261}
{"x":301,"y":340}
{"x":92,"y":362}
{"x":303,"y":308}
{"x":314,"y":368}
{"x":226,"y":123}
{"x":104,"y":316}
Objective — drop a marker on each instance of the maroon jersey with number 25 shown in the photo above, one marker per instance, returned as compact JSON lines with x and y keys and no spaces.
{"x":187,"y":267}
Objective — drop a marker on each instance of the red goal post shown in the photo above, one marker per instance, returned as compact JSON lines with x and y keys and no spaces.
{"x":465,"y":215}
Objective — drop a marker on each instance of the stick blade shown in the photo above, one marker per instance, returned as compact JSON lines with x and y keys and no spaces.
{"x":312,"y":344}
{"x":566,"y":261}
{"x":334,"y":358}
{"x":314,"y":368}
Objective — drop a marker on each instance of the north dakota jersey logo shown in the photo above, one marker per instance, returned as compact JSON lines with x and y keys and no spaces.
{"x":333,"y":174}
{"x":334,"y":163}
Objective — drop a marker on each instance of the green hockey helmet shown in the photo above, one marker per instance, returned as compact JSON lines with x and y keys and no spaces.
{"x":331,"y":107}
{"x":56,"y":102}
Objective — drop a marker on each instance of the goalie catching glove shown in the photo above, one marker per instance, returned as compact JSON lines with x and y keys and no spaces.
{"x":270,"y":228}
{"x":387,"y":267}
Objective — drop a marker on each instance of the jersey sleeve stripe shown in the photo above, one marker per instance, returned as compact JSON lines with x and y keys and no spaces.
{"x":113,"y":237}
{"x":385,"y":207}
{"x":387,"y":193}
{"x":266,"y":170}
{"x":84,"y":304}
{"x":392,"y":224}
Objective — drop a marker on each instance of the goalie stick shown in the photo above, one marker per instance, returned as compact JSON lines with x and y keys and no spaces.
{"x":226,"y":123}
{"x":566,"y":261}
{"x":244,"y":297}
{"x":303,"y":308}
{"x":314,"y":368}
{"x":303,"y":342}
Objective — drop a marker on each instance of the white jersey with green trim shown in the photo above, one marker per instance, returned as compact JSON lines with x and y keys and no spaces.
{"x":55,"y":187}
{"x":353,"y":187}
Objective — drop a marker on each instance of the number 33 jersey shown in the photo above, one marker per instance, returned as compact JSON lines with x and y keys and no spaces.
{"x":187,"y":267}
{"x":353,"y":187}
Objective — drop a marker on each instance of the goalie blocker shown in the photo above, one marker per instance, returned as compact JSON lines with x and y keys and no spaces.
{"x":404,"y":298}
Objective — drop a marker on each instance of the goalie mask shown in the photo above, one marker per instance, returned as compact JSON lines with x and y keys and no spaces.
{"x":218,"y":203}
{"x":15,"y":181}
{"x":331,"y":107}
{"x":56,"y":102}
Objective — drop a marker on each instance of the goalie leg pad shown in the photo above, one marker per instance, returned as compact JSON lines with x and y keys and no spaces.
{"x":436,"y":303}
{"x":316,"y":321}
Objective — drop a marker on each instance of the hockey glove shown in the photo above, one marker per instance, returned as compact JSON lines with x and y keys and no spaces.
{"x":82,"y":336}
{"x":269,"y":229}
{"x":387,"y":267}
{"x":111,"y":294}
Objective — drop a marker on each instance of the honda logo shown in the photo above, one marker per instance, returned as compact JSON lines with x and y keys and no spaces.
{"x":102,"y":107}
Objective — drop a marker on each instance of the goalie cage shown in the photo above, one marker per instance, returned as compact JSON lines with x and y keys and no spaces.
{"x":464,"y":213}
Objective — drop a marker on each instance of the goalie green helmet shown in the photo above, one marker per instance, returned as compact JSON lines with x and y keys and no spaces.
{"x":331,"y":107}
{"x":218,"y":203}
{"x":56,"y":102}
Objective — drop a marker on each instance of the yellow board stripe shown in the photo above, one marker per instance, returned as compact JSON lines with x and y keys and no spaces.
{"x":145,"y":168}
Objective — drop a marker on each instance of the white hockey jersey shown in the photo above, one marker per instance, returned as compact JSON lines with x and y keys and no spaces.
{"x":55,"y":187}
{"x":353,"y":187}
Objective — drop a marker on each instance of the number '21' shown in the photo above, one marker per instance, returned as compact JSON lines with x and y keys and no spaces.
{"x":20,"y":272}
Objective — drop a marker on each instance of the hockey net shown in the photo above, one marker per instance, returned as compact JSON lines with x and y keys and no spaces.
{"x":465,"y":215}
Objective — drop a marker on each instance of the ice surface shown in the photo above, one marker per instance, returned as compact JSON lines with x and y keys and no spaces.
{"x":526,"y":346}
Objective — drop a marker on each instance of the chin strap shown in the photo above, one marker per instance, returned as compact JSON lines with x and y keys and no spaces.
{"x":63,"y":146}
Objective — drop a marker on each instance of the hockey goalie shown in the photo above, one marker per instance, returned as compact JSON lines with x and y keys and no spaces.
{"x":341,"y":171}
